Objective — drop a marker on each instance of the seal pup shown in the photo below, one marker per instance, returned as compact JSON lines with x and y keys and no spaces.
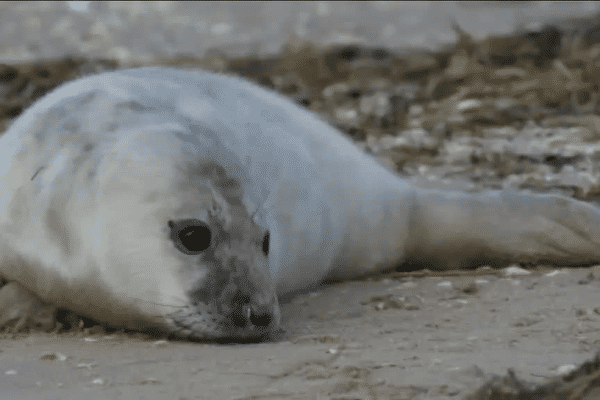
{"x":185,"y":201}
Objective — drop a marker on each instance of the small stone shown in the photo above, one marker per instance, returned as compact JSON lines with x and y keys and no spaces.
{"x":555,"y":272}
{"x":566,"y":369}
{"x":149,"y":381}
{"x":468,"y":104}
{"x":515,"y":270}
{"x":53,"y":356}
{"x":408,"y":285}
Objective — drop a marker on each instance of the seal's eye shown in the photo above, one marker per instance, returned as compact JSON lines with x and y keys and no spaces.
{"x":266,"y":244}
{"x":190,"y":236}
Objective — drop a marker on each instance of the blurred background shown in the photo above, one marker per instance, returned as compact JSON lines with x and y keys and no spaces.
{"x":139,"y":31}
{"x":464,"y":95}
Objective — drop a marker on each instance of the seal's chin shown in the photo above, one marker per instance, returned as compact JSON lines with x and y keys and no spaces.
{"x":208,"y":322}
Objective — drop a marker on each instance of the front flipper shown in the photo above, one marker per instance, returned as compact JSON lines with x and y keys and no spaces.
{"x":21,"y":310}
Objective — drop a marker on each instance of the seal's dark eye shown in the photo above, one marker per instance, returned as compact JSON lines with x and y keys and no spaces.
{"x":190,"y":236}
{"x":266,"y":243}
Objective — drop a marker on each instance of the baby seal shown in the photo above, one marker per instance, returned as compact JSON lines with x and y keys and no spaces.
{"x":186,"y":201}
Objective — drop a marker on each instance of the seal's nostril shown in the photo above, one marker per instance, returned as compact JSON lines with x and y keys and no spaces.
{"x":239,"y":319}
{"x":250,"y":315}
{"x":260,"y":318}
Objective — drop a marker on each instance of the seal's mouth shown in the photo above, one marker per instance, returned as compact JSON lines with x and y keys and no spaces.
{"x":247,"y":322}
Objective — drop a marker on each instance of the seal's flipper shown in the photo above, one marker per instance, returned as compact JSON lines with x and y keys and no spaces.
{"x":451,"y":230}
{"x":21,"y":310}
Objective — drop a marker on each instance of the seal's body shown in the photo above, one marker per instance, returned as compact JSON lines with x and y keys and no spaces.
{"x":184,"y":201}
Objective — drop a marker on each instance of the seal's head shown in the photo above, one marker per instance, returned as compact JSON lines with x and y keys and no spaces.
{"x":134,"y":215}
{"x":179,"y":243}
{"x":138,"y":231}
